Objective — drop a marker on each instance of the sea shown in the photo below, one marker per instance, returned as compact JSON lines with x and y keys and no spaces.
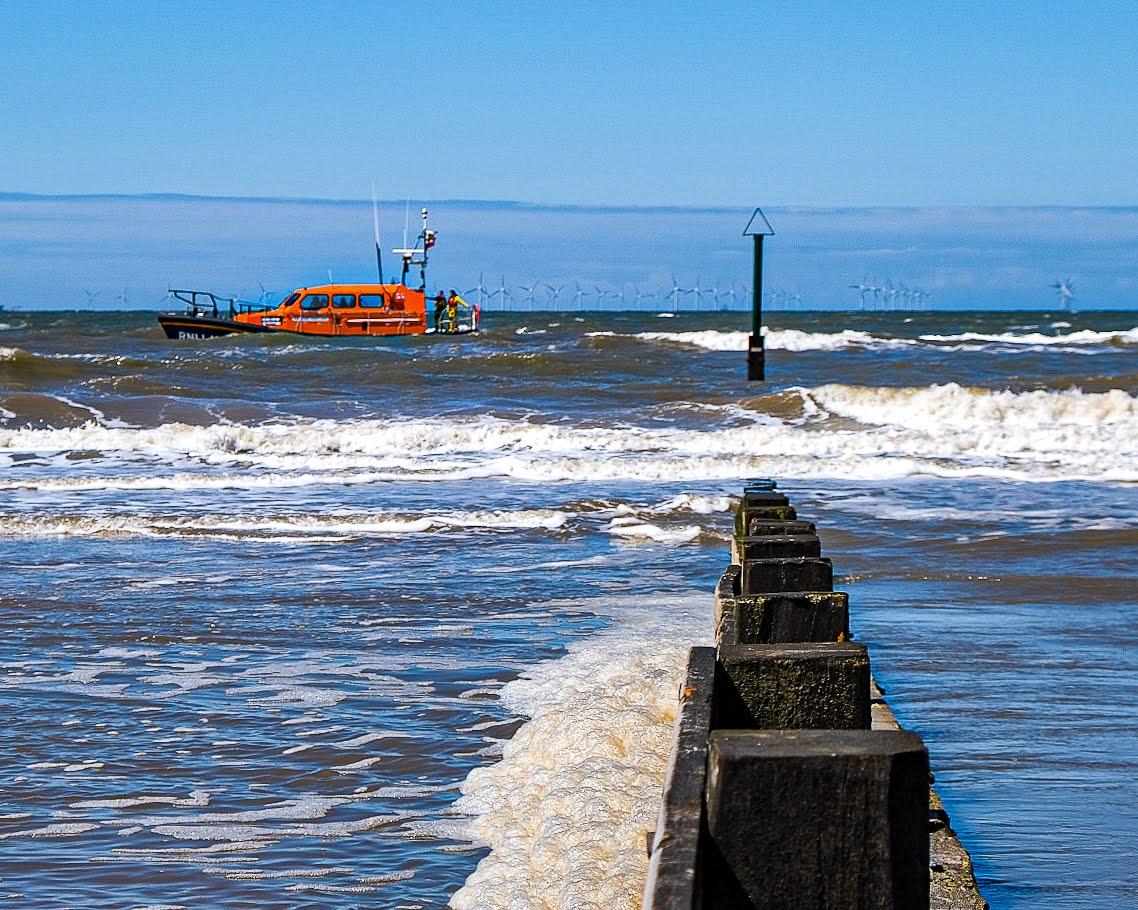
{"x":300,"y":623}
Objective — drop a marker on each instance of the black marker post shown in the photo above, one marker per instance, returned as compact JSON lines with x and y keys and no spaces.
{"x":758,"y":227}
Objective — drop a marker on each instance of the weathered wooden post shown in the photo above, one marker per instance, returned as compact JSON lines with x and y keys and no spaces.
{"x":758,"y":227}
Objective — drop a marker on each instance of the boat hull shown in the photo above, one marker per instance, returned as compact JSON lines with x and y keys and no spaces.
{"x":196,"y":328}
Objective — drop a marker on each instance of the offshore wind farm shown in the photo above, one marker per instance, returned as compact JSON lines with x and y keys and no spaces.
{"x":513,"y":256}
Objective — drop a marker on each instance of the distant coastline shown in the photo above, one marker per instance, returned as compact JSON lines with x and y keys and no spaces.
{"x":519,"y":204}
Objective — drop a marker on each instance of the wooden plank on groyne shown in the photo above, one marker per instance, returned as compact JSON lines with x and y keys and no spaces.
{"x":675,"y":859}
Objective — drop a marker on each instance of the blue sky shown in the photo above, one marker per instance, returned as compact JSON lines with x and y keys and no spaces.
{"x":636,"y":103}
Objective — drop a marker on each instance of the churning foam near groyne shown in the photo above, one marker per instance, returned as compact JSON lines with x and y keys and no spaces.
{"x":566,"y":810}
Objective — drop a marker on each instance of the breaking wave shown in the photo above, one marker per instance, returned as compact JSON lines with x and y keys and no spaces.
{"x":776,"y":339}
{"x":284,"y":529}
{"x":656,"y":522}
{"x":1084,"y":337}
{"x":832,"y":430}
{"x":980,"y":409}
{"x":796,"y":340}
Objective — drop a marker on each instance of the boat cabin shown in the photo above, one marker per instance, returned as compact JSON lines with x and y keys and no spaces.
{"x":346,"y":309}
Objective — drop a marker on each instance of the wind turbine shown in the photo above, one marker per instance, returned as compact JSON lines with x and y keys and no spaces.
{"x":716,"y":295}
{"x":122,"y":299}
{"x":91,"y":295}
{"x":733,"y":295}
{"x":890,"y":294}
{"x":601,"y":295}
{"x":501,"y":292}
{"x":862,"y":290}
{"x":529,"y":290}
{"x":697,"y":293}
{"x":1065,"y":291}
{"x":480,"y":289}
{"x":675,"y":292}
{"x":578,"y":296}
{"x":902,"y":295}
{"x":876,"y":292}
{"x":555,"y":295}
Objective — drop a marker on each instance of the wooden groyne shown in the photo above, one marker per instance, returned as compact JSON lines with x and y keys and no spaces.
{"x":791,"y":784}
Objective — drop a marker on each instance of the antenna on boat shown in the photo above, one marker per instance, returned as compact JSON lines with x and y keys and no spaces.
{"x":375,"y":224}
{"x":427,"y":239}
{"x":424,"y":242}
{"x":405,"y":251}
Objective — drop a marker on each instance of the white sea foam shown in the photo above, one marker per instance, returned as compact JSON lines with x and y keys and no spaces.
{"x":944,"y":430}
{"x":566,"y":810}
{"x":981,"y":410}
{"x":254,"y":875}
{"x":634,"y":528}
{"x":284,"y":529}
{"x":689,"y":502}
{"x":61,"y":829}
{"x":798,"y":340}
{"x":1083,"y":337}
{"x":775,"y":339}
{"x":196,"y":799}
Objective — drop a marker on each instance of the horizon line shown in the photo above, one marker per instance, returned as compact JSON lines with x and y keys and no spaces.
{"x":16,"y":196}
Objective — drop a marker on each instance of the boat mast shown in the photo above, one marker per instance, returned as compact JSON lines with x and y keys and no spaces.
{"x":375,"y":224}
{"x":426,"y":240}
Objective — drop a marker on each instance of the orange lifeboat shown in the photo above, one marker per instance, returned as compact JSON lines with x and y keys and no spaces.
{"x":328,"y":310}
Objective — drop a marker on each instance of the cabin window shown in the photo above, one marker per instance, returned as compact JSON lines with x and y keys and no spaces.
{"x":343,"y":301}
{"x":290,"y":299}
{"x":372,"y":301}
{"x":314,"y":302}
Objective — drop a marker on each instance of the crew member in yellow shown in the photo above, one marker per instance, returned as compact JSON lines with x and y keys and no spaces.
{"x":453,"y":303}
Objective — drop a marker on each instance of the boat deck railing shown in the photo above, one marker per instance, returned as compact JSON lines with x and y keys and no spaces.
{"x":207,"y":303}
